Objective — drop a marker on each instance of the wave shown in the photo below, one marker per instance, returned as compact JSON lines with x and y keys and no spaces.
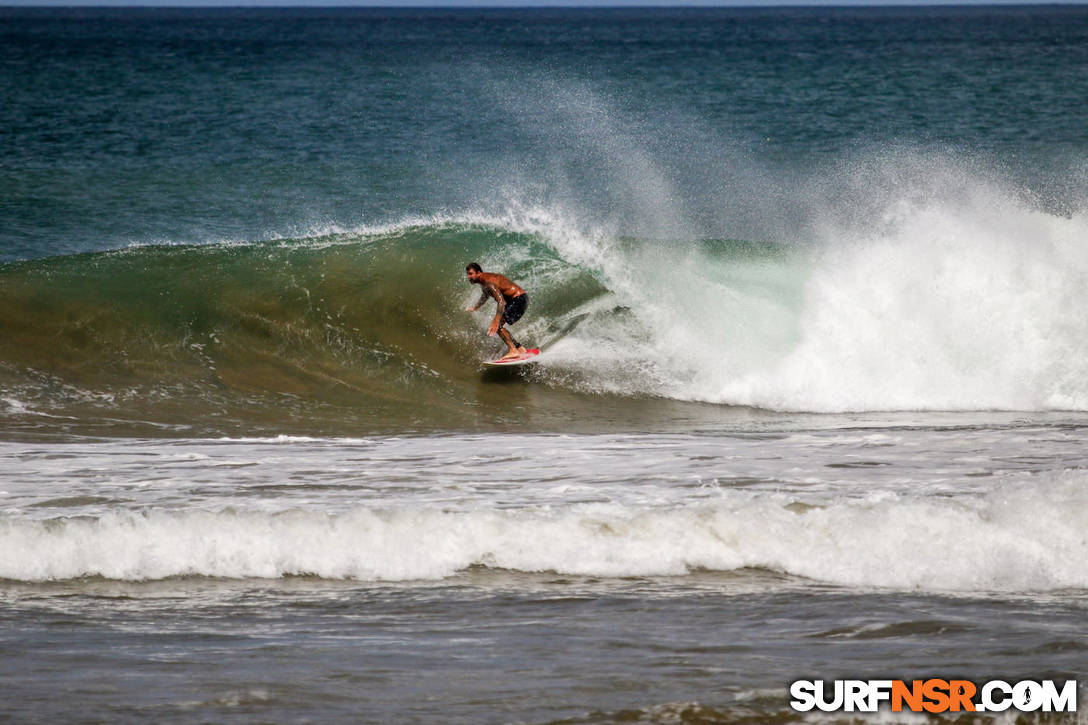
{"x":971,"y":300}
{"x":369,"y":320}
{"x":1022,"y":535}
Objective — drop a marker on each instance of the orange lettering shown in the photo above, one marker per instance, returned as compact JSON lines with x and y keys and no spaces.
{"x":912,"y":695}
{"x":961,"y":693}
{"x":937,"y":692}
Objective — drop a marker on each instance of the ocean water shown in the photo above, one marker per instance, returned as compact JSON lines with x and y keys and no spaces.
{"x":811,"y":289}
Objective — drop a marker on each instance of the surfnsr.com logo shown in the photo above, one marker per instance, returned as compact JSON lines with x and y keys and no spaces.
{"x":933,"y":695}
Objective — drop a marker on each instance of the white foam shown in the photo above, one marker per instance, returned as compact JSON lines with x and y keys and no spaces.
{"x":972,"y":303}
{"x":290,"y":439}
{"x":957,"y":297}
{"x":1026,"y":534}
{"x":15,"y":406}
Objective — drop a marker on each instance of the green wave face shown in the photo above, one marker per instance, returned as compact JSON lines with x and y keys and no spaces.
{"x":367,"y":332}
{"x":361,"y":330}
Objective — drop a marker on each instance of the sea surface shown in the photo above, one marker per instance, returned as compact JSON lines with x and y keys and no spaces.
{"x":811,"y":286}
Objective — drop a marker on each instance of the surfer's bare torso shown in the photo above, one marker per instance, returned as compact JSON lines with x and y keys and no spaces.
{"x":498,"y":287}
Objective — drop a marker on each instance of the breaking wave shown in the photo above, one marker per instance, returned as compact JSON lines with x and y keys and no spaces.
{"x":965,"y":297}
{"x":1020,"y":536}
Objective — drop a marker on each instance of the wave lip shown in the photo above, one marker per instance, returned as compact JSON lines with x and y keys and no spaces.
{"x":1026,"y":535}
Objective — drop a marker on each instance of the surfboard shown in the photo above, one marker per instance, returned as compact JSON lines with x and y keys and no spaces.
{"x":528,"y":357}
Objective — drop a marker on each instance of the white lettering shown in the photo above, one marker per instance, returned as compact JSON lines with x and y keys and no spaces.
{"x":879,"y":690}
{"x":855,"y":696}
{"x":995,"y":705}
{"x":821,"y":699}
{"x":804,"y":695}
{"x":1064,"y":701}
{"x":994,"y":696}
{"x":1027,"y":696}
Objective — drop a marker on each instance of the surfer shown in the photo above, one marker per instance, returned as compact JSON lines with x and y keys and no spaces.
{"x":511,"y":301}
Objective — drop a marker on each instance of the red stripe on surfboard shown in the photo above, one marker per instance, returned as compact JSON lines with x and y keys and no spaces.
{"x":528,"y":354}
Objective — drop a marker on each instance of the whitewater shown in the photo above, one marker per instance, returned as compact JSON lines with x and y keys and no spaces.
{"x":846,"y":512}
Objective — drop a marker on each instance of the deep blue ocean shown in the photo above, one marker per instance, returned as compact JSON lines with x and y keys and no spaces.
{"x":810,"y":286}
{"x":195,"y":126}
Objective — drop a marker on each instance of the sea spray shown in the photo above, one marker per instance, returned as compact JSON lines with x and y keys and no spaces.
{"x":965,"y":301}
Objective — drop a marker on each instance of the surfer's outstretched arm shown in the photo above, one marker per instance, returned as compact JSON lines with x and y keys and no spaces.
{"x":479,"y":302}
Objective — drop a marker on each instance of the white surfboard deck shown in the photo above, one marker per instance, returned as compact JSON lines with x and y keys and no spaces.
{"x":529,"y":357}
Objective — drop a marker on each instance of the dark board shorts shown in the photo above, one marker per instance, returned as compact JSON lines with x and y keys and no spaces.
{"x":515,"y":308}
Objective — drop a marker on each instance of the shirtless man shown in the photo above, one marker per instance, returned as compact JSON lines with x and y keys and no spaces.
{"x":511,"y":300}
